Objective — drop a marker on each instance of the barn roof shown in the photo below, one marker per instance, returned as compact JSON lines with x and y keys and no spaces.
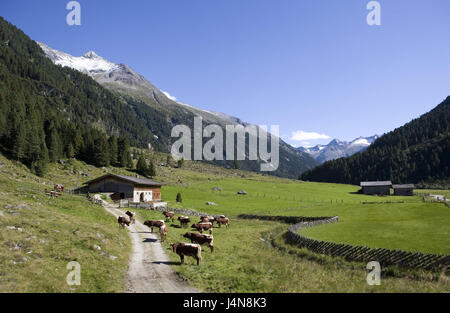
{"x":405,"y":186}
{"x":133,"y":180}
{"x":375,"y":183}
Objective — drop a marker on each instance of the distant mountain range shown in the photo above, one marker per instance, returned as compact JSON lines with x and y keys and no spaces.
{"x":125,"y":82}
{"x":417,"y":152}
{"x":338,"y":149}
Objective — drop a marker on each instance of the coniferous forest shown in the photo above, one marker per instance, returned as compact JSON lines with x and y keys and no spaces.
{"x":49,"y":112}
{"x":418,"y":152}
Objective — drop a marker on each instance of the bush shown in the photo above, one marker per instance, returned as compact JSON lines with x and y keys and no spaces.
{"x":179,"y":200}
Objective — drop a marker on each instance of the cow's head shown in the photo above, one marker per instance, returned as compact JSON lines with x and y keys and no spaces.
{"x":187,"y":235}
{"x":174,"y":247}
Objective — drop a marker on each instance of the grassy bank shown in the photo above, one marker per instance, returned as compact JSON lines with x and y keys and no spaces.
{"x":40,"y":235}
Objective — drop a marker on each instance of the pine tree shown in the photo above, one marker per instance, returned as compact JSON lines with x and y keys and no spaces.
{"x":151,"y":172}
{"x":41,"y":163}
{"x":113,"y":150}
{"x":141,"y":166}
{"x":179,"y":200}
{"x":54,"y":144}
{"x":101,"y":151}
{"x":124,"y":153}
{"x":70,"y":153}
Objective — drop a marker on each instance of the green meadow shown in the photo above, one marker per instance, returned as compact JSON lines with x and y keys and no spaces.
{"x":251,"y":256}
{"x":405,"y":223}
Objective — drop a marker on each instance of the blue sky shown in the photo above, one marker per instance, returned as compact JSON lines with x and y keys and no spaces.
{"x":313,"y":67}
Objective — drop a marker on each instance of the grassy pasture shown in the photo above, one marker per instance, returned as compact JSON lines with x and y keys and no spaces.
{"x":40,"y":235}
{"x":69,"y":228}
{"x":245,"y":261}
{"x":405,"y":223}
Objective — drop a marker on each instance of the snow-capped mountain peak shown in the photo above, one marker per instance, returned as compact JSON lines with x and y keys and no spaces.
{"x":338,"y":148}
{"x":364,"y":141}
{"x":89,"y":63}
{"x":91,"y":55}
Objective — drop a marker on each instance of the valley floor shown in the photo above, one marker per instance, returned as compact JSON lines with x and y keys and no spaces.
{"x":40,"y":235}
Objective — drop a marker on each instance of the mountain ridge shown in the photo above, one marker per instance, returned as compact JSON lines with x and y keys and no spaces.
{"x":123,"y":80}
{"x":337,"y":148}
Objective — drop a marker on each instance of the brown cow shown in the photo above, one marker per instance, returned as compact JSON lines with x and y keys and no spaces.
{"x":223,"y":220}
{"x":123,"y":221}
{"x":152,"y":224}
{"x":201,"y":239}
{"x":132,"y":216}
{"x":184,"y":221}
{"x":188,"y":249}
{"x":206,"y":219}
{"x":169,"y":215}
{"x":58,"y":187}
{"x":203,"y":226}
{"x":163,"y":231}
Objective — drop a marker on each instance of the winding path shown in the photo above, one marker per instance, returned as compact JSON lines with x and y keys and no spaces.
{"x":149,"y":270}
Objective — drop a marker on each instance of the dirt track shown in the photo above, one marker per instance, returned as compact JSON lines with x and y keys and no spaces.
{"x":149,"y":270}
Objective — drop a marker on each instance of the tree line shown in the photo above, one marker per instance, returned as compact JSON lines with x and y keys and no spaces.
{"x":48,"y":112}
{"x":417,"y":152}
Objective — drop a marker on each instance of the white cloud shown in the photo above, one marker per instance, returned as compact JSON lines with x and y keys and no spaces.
{"x":168,"y":95}
{"x":303,"y":136}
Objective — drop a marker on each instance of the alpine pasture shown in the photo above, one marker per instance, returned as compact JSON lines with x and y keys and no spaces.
{"x":251,"y":256}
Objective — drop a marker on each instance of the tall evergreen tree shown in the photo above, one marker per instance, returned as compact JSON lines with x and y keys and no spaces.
{"x":151,"y":172}
{"x":124,"y":154}
{"x":141,"y":166}
{"x":113,"y":150}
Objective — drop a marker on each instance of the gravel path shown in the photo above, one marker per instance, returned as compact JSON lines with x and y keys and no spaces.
{"x":149,"y":270}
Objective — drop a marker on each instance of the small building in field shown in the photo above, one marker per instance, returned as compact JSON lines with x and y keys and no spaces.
{"x":133,"y":189}
{"x":376,"y":187}
{"x":403,"y":190}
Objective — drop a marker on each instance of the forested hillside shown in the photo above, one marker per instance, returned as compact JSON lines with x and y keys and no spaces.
{"x":49,"y":112}
{"x":417,"y":152}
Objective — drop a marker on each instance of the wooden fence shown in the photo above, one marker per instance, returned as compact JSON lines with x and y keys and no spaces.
{"x":354,"y":253}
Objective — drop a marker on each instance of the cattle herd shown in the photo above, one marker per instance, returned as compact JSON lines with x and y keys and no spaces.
{"x":193,"y":248}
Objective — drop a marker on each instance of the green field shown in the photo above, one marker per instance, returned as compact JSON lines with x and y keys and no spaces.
{"x":406,"y":223}
{"x":244,"y":260}
{"x":252,"y":256}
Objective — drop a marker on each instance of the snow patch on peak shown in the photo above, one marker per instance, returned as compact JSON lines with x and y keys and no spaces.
{"x":91,"y":55}
{"x":360,"y":142}
{"x":89,"y":63}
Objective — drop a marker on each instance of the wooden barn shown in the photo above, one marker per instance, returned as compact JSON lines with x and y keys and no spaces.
{"x":133,"y":189}
{"x":376,"y":187}
{"x":403,"y":190}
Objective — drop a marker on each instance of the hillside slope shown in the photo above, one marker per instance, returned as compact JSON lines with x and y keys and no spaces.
{"x":133,"y":87}
{"x":40,"y":235}
{"x":416,"y":152}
